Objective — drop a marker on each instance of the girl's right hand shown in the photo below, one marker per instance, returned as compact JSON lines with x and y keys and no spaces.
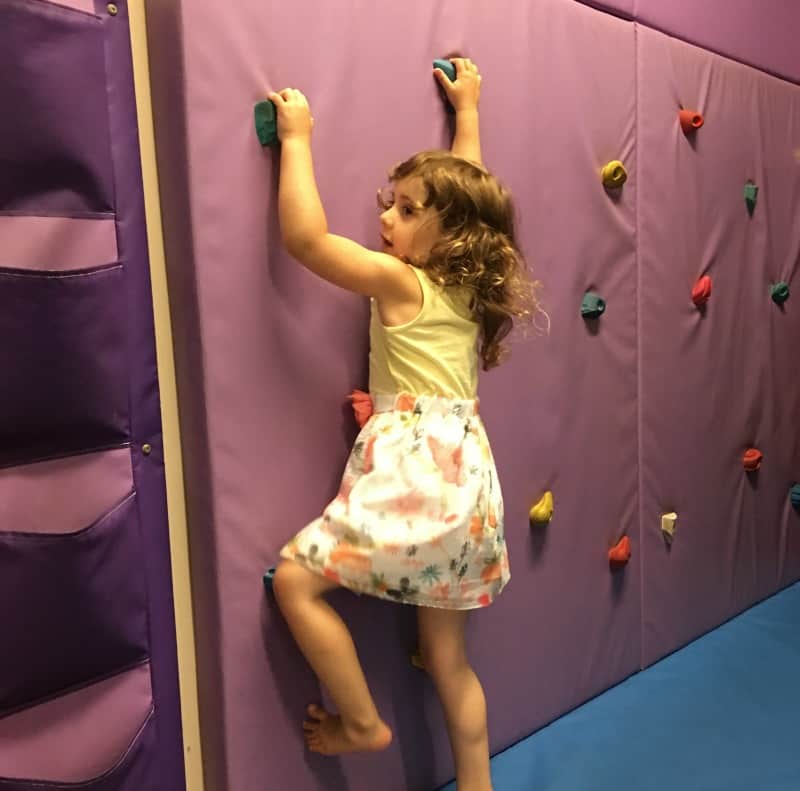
{"x":294,"y":114}
{"x":465,"y":92}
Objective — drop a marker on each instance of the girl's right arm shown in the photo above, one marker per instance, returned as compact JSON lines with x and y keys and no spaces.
{"x":464,"y":94}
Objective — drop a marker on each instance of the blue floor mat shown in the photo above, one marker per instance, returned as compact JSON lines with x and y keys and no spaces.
{"x":721,"y":714}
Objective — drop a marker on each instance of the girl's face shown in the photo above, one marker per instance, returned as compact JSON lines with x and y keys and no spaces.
{"x":408,"y":229}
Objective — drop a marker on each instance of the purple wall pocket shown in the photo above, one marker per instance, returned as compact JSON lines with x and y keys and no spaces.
{"x":88,"y":668}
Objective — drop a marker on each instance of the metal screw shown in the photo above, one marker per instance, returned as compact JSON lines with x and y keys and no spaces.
{"x":147,"y":449}
{"x":112,"y":9}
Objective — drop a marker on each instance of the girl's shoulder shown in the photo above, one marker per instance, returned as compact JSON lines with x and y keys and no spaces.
{"x":450,"y":298}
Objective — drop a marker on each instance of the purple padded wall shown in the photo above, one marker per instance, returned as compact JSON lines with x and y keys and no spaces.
{"x":266,"y":353}
{"x":716,"y":383}
{"x":761,"y":33}
{"x":88,"y":670}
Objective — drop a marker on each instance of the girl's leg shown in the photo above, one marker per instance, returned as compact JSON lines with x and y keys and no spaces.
{"x":441,"y":638}
{"x":327,"y":645}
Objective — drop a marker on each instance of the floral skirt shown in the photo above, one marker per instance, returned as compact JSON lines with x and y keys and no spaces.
{"x":419,"y":514}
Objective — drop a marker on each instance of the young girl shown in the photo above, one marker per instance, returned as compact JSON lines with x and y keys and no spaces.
{"x":419,"y":515}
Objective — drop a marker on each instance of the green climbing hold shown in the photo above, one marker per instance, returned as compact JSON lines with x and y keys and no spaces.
{"x":593,"y":305}
{"x":780,"y":293}
{"x":266,"y":123}
{"x":750,"y":197}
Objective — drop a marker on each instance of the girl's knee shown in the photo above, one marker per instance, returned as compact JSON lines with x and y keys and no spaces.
{"x":443,"y":660}
{"x":287,"y":582}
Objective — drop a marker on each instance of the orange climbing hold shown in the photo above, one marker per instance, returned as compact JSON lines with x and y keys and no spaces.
{"x":701,"y":292}
{"x":362,"y":406}
{"x":620,"y":554}
{"x":752,"y":459}
{"x":690,"y":120}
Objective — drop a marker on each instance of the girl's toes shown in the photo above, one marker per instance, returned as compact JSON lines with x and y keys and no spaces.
{"x":317,"y":712}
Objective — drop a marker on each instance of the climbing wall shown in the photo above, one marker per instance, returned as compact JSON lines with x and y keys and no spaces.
{"x":642,"y":409}
{"x":88,"y":675}
{"x":721,"y":204}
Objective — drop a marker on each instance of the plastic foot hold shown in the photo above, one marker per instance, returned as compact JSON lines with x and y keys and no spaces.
{"x":780,"y":293}
{"x":750,"y":197}
{"x":794,"y":497}
{"x":620,"y":553}
{"x":668,"y":522}
{"x":690,"y":120}
{"x":752,"y":459}
{"x":447,"y":67}
{"x":614,"y":175}
{"x":701,"y":292}
{"x":593,"y":305}
{"x":542,"y":511}
{"x":266,"y":123}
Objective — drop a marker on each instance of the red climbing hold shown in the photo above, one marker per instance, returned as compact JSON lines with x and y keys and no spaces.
{"x":752,"y":459}
{"x":690,"y":120}
{"x":621,"y":553}
{"x":701,"y":291}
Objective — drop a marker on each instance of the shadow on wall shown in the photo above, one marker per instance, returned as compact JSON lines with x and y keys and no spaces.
{"x":294,"y":680}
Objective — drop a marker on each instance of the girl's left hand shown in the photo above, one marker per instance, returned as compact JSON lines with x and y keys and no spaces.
{"x":294,"y":114}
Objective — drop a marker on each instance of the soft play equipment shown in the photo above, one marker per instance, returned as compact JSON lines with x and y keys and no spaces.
{"x":652,"y":150}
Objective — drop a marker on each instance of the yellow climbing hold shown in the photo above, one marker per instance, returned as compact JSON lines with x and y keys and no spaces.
{"x":668,"y":526}
{"x":542,"y":512}
{"x":614,"y":174}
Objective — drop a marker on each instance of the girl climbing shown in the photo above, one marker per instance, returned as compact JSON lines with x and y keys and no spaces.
{"x":418,"y":518}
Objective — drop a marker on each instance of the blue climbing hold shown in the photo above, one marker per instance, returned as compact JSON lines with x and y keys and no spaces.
{"x":794,"y":496}
{"x":268,"y":577}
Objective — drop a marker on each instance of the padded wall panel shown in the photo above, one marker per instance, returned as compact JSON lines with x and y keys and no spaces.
{"x":757,"y":32}
{"x":266,"y":354}
{"x":718,"y":381}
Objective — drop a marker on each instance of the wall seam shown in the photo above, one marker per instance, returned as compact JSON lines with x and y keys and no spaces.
{"x":638,"y":307}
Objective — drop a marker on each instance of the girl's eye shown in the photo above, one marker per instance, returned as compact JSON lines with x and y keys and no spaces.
{"x":407,"y":211}
{"x":385,"y":199}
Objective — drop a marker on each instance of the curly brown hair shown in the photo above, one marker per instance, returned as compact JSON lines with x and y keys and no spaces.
{"x":478,"y":248}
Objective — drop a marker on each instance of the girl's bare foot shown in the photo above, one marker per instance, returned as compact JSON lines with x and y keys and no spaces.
{"x":326,"y":734}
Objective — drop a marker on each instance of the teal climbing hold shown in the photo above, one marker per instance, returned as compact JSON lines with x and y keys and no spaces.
{"x":750,"y":196}
{"x":447,"y":67}
{"x":780,"y":293}
{"x":269,"y":576}
{"x":266,"y":123}
{"x":593,"y":305}
{"x":794,"y":497}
